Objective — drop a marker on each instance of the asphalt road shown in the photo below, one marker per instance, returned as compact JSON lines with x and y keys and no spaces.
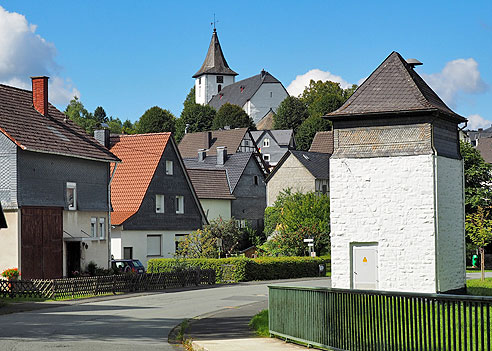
{"x":131,"y":323}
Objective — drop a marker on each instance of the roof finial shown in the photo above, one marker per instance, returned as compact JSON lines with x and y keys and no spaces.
{"x":214,"y":23}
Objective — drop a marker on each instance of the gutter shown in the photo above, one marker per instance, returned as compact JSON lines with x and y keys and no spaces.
{"x":109,"y":214}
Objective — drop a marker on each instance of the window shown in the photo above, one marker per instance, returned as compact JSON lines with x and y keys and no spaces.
{"x":246,"y":142}
{"x":177,"y":239}
{"x":219,"y":88}
{"x":128,"y":253}
{"x":153,"y":245}
{"x":266,"y":142}
{"x":241,"y":223}
{"x":94,"y":227}
{"x":72,"y":196}
{"x":255,"y":180}
{"x":102,"y":228}
{"x":324,"y":189}
{"x":200,"y":80}
{"x":179,"y":204}
{"x":271,"y":94}
{"x":169,"y":167}
{"x":266,"y":157}
{"x":159,"y":204}
{"x":220,"y":79}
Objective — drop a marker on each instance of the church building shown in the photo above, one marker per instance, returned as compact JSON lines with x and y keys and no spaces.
{"x":215,"y":85}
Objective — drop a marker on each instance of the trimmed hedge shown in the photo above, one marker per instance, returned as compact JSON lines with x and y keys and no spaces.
{"x":241,"y":269}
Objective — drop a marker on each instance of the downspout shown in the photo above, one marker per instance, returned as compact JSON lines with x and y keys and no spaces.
{"x":436,"y":213}
{"x":109,"y":214}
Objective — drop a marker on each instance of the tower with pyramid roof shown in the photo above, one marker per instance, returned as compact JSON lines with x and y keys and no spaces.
{"x":214,"y":74}
{"x":396,"y":186}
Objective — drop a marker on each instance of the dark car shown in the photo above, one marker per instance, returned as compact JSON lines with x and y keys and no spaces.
{"x":126,"y":266}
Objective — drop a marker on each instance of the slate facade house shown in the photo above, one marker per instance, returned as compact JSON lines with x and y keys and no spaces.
{"x":299,"y":171}
{"x":245,"y":180}
{"x":54,"y":188}
{"x":396,"y":186}
{"x":215,"y":85}
{"x":154,"y":203}
{"x":273,"y":144}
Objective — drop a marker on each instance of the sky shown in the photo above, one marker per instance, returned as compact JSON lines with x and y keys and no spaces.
{"x":128,"y":56}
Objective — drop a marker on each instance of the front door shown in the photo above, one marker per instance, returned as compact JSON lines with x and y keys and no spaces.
{"x":73,"y":258}
{"x":365,"y":266}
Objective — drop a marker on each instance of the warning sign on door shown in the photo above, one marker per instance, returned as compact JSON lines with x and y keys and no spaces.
{"x":364,"y":260}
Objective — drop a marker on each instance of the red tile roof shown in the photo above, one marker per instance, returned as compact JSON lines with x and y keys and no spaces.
{"x":140,"y":154}
{"x":323,"y":142}
{"x":54,"y":133}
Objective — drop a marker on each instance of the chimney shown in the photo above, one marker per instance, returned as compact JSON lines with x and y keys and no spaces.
{"x":40,"y":94}
{"x":202,"y":154}
{"x":221,"y":155}
{"x":414,"y":62}
{"x":102,"y":136}
{"x":263,"y":73}
{"x":209,"y":140}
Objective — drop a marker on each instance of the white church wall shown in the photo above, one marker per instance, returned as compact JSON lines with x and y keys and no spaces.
{"x":268,"y":96}
{"x":208,"y":87}
{"x":451,"y":240}
{"x":388,"y":201}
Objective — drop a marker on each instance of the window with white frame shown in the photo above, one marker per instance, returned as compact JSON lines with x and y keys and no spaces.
{"x":154,"y":245}
{"x":169,"y":167}
{"x":179,"y":204}
{"x":94,"y":227}
{"x":266,"y":157}
{"x":71,"y":196}
{"x":159,"y":204}
{"x":102,"y":228}
{"x":266,"y":142}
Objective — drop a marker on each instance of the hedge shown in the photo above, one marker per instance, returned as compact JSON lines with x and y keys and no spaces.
{"x":241,"y":269}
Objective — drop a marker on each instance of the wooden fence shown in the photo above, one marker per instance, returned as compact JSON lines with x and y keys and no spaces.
{"x":89,"y":286}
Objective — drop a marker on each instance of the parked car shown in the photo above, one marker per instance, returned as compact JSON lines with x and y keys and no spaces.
{"x":126,"y":266}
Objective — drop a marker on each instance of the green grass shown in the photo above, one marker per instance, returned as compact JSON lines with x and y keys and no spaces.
{"x":476,"y":270}
{"x":479,"y":288}
{"x":259,"y":323}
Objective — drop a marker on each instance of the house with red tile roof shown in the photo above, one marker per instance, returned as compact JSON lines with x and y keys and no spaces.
{"x":54,"y":188}
{"x":154,"y":202}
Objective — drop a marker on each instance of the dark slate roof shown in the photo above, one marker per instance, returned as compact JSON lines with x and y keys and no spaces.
{"x":316,"y":163}
{"x":230,"y":138}
{"x":240,"y":92}
{"x":323,"y":142}
{"x":234,"y":166}
{"x":31,"y":131}
{"x":394,"y":87}
{"x":484,"y":145}
{"x":281,"y":136}
{"x":215,"y":62}
{"x":211,"y":183}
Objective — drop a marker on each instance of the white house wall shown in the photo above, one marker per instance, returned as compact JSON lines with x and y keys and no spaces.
{"x":215,"y":208}
{"x":9,"y":249}
{"x":388,"y":201}
{"x":292,"y":174}
{"x":209,"y":87}
{"x":451,"y":240}
{"x":261,"y":102}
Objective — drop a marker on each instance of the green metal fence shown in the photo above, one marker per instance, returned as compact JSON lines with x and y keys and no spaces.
{"x":374,"y":320}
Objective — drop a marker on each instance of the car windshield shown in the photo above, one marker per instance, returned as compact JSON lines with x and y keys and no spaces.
{"x":137,"y":263}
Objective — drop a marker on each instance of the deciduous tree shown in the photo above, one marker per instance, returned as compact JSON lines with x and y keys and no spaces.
{"x":194,"y":117}
{"x":479,"y":230}
{"x":156,"y":120}
{"x":307,"y":130}
{"x":290,"y":114}
{"x":232,"y":116}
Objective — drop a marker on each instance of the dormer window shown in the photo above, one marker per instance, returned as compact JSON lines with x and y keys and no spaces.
{"x":220,"y":79}
{"x":242,"y":88}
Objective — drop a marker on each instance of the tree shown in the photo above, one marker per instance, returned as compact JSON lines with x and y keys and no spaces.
{"x":128,"y":127}
{"x":479,"y":229}
{"x":198,"y":244}
{"x":194,"y":117}
{"x":478,"y":177}
{"x":77,"y":113}
{"x":100,"y":115}
{"x":232,"y":116}
{"x":290,"y":114}
{"x":295,"y":217}
{"x":115,"y":125}
{"x":307,"y":130}
{"x":324,"y":97}
{"x":156,"y":120}
{"x":228,"y":233}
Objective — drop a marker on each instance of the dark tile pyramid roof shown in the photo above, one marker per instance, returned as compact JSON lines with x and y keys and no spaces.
{"x":53,"y":133}
{"x":394,"y":87}
{"x":215,"y":62}
{"x":240,"y":92}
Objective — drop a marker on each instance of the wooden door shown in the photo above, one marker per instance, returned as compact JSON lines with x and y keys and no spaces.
{"x":41,"y":242}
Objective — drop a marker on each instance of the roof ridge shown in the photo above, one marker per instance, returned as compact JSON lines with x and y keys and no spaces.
{"x":142,"y":134}
{"x":17,"y":88}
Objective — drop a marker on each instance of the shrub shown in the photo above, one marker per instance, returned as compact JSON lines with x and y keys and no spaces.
{"x":240,"y":269}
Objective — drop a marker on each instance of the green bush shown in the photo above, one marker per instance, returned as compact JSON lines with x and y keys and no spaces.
{"x":241,"y":269}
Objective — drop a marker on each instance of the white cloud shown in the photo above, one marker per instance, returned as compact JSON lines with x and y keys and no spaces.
{"x":23,"y":54}
{"x":476,"y":121}
{"x":457,"y":77}
{"x":297,"y":86}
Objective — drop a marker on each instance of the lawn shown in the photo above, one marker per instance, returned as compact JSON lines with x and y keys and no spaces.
{"x":259,"y":323}
{"x":479,"y":288}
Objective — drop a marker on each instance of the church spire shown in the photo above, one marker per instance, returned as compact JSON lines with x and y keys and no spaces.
{"x":215,"y":63}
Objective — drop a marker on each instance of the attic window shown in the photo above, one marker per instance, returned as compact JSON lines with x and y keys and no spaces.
{"x":306,"y":157}
{"x":220,"y":79}
{"x":242,"y":88}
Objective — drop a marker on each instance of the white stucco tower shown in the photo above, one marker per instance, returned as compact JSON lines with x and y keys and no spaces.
{"x":396,"y":186}
{"x":214,"y":74}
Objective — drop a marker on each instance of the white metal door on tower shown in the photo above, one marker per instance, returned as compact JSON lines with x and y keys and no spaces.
{"x":365,"y":266}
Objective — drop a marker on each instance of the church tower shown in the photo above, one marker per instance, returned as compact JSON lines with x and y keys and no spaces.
{"x":214,"y":73}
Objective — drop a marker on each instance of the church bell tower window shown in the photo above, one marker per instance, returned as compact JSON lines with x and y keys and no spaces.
{"x":220,"y":79}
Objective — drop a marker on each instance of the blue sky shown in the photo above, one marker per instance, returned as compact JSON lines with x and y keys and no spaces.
{"x":128,"y":56}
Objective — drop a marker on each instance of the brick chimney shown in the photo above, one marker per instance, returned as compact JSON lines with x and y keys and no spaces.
{"x":40,"y":94}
